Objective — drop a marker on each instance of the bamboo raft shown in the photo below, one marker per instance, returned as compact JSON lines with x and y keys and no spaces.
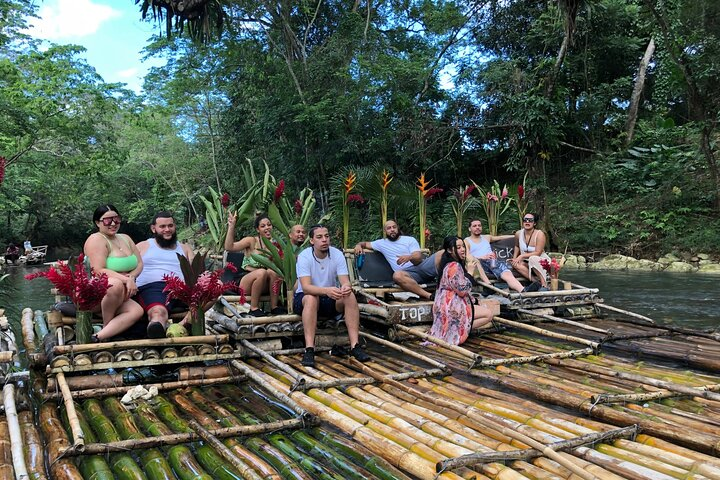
{"x":537,"y":396}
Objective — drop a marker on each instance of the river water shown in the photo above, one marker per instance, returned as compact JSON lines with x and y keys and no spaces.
{"x":689,"y":300}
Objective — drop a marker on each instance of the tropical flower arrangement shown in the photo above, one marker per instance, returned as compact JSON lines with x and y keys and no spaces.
{"x":461,"y":200}
{"x":552,"y":267}
{"x":85,"y":288}
{"x":199,"y":288}
{"x":495,"y":202}
{"x":385,"y":180}
{"x":348,"y":186}
{"x":425,"y":192}
{"x":521,"y":201}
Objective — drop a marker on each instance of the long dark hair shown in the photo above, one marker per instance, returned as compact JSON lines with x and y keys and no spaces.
{"x":449,"y":254}
{"x":102,"y":210}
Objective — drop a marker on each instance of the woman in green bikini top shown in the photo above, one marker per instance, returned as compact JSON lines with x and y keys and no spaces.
{"x":115,"y":255}
{"x":258,"y":279}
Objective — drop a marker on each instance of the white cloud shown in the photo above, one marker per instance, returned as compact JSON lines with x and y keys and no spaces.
{"x":70,"y":19}
{"x":128,"y":73}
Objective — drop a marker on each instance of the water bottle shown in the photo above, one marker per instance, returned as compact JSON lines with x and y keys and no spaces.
{"x":493,"y":262}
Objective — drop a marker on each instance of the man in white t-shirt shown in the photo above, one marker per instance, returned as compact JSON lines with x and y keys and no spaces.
{"x":319,"y":269}
{"x":405,"y":258}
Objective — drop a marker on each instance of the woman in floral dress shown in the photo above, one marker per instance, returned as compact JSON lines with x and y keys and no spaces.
{"x":454,"y":311}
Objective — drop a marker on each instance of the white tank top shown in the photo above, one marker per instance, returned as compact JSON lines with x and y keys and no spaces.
{"x":524,"y":247}
{"x":158,"y":262}
{"x":479,"y":249}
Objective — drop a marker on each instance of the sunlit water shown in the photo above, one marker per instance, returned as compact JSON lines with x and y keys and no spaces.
{"x":684,"y":299}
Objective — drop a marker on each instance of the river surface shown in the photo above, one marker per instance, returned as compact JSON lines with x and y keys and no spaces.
{"x":690,"y":300}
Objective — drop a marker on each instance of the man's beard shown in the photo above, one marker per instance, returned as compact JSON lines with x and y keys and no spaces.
{"x":395,"y":237}
{"x":162,"y":243}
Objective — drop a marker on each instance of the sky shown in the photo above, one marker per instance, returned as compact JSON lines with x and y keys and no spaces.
{"x":112,"y":31}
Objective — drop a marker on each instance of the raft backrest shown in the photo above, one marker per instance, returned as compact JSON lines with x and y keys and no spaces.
{"x":504,"y":248}
{"x":236,"y":258}
{"x":375,"y":271}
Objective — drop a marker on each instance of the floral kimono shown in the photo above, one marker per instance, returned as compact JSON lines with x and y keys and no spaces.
{"x":452,"y":310}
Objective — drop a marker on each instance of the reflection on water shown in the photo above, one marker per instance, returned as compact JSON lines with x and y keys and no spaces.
{"x":686,"y":299}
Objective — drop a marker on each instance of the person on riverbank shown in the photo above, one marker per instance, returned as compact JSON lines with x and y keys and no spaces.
{"x":159,"y":258}
{"x":455,"y":311}
{"x":258,"y":279}
{"x":530,"y":249}
{"x":12,"y":253}
{"x":320,"y":268}
{"x":116,"y":255}
{"x":405,"y":258}
{"x":478,"y":245}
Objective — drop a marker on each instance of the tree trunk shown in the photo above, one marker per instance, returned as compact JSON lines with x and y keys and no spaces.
{"x":707,"y":149}
{"x":637,"y":92}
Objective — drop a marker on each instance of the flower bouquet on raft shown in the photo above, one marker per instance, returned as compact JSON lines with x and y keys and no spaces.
{"x":85,"y":288}
{"x":552,"y":267}
{"x":200,"y":288}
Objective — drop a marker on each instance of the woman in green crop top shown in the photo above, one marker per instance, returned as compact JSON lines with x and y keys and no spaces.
{"x":116,"y":255}
{"x":258,"y":279}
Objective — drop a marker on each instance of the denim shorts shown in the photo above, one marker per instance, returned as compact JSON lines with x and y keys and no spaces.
{"x":424,"y":272}
{"x":500,"y":268}
{"x":326,"y":309}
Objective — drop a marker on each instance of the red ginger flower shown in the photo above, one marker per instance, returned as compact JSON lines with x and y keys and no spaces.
{"x":85,"y":290}
{"x":276,"y":286}
{"x":225,"y":200}
{"x":207,"y":288}
{"x":298,"y":207}
{"x":521,"y":192}
{"x":468,"y":191}
{"x":355,"y":198}
{"x":279,"y":190}
{"x":433,"y":191}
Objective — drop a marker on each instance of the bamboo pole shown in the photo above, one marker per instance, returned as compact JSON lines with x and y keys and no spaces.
{"x":299,"y":379}
{"x":77,"y":433}
{"x":527,"y":454}
{"x":344,"y":382}
{"x":252,"y":375}
{"x":547,"y":333}
{"x":60,"y":468}
{"x":474,"y":358}
{"x":6,"y":357}
{"x":645,"y":397}
{"x":563,"y":320}
{"x":370,"y":296}
{"x":495,"y":289}
{"x":129,"y":344}
{"x":33,"y":446}
{"x":6,"y":465}
{"x":625,"y":312}
{"x":404,"y":350}
{"x":219,"y":447}
{"x":16,"y":443}
{"x":375,"y":310}
{"x":173,"y":360}
{"x":534,"y":358}
{"x":28,"y":331}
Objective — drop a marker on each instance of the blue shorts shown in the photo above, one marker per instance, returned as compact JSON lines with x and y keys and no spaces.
{"x":327,"y":306}
{"x":500,"y":268}
{"x":151,"y":295}
{"x":424,"y":272}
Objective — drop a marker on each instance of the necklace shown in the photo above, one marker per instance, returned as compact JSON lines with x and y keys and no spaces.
{"x":528,"y":240}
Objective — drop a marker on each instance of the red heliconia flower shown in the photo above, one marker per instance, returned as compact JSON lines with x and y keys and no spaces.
{"x":430,"y":193}
{"x":298,"y":207}
{"x":225,"y":200}
{"x":355,"y":198}
{"x":3,"y":162}
{"x":279,"y":190}
{"x":468,"y":191}
{"x":521,"y":192}
{"x":85,"y":289}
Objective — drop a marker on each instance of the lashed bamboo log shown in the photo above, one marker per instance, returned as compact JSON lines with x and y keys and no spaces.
{"x":6,"y":464}
{"x":534,"y":358}
{"x":645,"y":397}
{"x":546,"y":333}
{"x":404,"y":350}
{"x":130,"y":344}
{"x":61,"y":468}
{"x":39,"y":323}
{"x":526,"y":454}
{"x":77,"y":433}
{"x":375,"y":310}
{"x":299,"y":378}
{"x":226,"y":453}
{"x":474,"y":358}
{"x":28,"y":330}
{"x":146,"y":363}
{"x":339,"y":382}
{"x":648,"y":320}
{"x":114,"y":391}
{"x":102,"y":357}
{"x":495,"y":289}
{"x":573,"y":467}
{"x":33,"y":447}
{"x":252,"y":375}
{"x":16,"y":443}
{"x":6,"y":357}
{"x":563,"y":320}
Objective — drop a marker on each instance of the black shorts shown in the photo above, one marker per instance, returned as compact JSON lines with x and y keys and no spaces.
{"x":151,"y":295}
{"x":327,"y":306}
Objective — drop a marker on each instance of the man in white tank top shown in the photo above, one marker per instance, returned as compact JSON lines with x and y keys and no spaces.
{"x":482,"y":256}
{"x":159,"y":255}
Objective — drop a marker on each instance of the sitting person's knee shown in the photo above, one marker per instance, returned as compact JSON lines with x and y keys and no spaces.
{"x":401,"y":277}
{"x":310,"y":301}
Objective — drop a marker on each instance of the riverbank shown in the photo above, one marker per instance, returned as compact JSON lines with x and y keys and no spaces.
{"x":700,"y":263}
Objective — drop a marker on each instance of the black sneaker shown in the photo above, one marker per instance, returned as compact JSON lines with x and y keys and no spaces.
{"x":155,"y":330}
{"x":359,"y":353}
{"x":258,"y":313}
{"x":308,"y":359}
{"x":279,"y":311}
{"x":339,"y":351}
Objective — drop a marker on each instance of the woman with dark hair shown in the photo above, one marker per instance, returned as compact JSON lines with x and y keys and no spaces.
{"x":258,"y":279}
{"x":116,"y":255}
{"x":530,"y":250}
{"x":454,"y":311}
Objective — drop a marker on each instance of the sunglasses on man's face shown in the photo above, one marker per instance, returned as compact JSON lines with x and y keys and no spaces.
{"x":107,"y":221}
{"x":529,"y":220}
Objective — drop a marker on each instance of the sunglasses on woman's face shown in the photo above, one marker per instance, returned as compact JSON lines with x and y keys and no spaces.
{"x":107,"y":221}
{"x":529,"y":220}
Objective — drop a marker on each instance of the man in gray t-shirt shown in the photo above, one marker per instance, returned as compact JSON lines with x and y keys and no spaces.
{"x":320,"y":268}
{"x":405,"y":258}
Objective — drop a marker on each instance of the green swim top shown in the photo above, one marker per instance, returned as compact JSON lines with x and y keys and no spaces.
{"x":121,"y":264}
